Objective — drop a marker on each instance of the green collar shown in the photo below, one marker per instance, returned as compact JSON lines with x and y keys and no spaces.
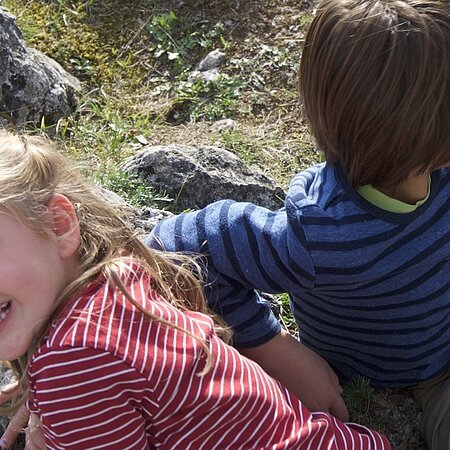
{"x":387,"y":203}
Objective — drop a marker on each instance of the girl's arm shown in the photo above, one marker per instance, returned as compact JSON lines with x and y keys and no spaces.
{"x":302,"y":371}
{"x":87,"y":398}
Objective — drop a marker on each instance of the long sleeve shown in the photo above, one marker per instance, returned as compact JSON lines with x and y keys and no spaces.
{"x":89,"y":399}
{"x":109,"y":376}
{"x":246,"y":248}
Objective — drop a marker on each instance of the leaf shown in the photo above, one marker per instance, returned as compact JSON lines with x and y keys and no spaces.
{"x":173,"y":55}
{"x":141,"y":139}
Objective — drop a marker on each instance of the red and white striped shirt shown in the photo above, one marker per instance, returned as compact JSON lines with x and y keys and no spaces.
{"x":108,"y":377}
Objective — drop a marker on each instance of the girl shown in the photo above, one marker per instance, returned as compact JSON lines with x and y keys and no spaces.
{"x":112,"y":343}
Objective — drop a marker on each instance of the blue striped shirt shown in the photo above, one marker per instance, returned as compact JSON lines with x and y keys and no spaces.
{"x":369,"y":289}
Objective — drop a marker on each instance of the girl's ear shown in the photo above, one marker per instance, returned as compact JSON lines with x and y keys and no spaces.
{"x":63,"y":224}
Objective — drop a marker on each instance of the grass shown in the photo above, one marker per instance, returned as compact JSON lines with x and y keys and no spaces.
{"x":135,"y":63}
{"x":358,"y":396}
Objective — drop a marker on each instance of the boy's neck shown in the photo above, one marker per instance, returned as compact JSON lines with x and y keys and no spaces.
{"x":412,"y":190}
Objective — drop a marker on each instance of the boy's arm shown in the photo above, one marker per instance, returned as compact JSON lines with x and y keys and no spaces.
{"x":302,"y":371}
{"x":247,"y":248}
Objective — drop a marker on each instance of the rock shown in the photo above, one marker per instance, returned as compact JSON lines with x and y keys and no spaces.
{"x":224,"y":125}
{"x":33,"y":86}
{"x":148,"y":218}
{"x":212,"y":60}
{"x":208,"y":68}
{"x":197,"y":176}
{"x":207,"y":75}
{"x":143,"y":220}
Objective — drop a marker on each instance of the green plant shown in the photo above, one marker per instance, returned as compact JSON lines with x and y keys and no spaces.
{"x":306,"y":19}
{"x":209,"y":99}
{"x":286,"y":318}
{"x":83,"y":66}
{"x":357,"y":396}
{"x":239,"y":144}
{"x":132,"y":188}
{"x":99,"y":129}
{"x":179,"y":40}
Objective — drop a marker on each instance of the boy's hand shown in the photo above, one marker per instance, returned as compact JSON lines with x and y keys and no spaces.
{"x":303,"y":372}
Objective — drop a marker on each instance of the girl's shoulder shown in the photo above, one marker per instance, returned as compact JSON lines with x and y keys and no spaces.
{"x":139,"y":328}
{"x":118,"y":313}
{"x":101,"y":311}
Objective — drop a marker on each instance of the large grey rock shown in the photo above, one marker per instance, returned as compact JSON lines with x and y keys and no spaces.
{"x":33,"y":85}
{"x":197,"y":176}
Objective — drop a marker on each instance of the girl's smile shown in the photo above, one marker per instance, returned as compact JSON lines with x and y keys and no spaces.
{"x":33,"y":272}
{"x":4,"y":309}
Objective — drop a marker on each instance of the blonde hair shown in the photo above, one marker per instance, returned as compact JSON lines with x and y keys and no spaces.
{"x":375,"y":83}
{"x":32,"y":170}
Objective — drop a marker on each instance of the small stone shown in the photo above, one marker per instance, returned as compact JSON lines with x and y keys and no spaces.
{"x":212,"y":60}
{"x":224,"y":125}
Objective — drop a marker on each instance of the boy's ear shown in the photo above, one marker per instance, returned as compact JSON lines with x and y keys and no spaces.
{"x":64,"y":225}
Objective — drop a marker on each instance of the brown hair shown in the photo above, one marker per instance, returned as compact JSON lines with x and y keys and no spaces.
{"x":374,"y":78}
{"x":31,"y":171}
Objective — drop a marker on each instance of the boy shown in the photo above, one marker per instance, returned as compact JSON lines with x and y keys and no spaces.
{"x":363,"y":242}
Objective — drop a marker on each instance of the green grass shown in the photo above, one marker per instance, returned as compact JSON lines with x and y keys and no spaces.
{"x":135,"y":59}
{"x":286,"y":318}
{"x":132,"y":189}
{"x":358,"y":395}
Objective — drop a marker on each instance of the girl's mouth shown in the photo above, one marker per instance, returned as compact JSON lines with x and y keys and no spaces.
{"x":4,"y":309}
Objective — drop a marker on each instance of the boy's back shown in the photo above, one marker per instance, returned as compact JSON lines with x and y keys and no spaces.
{"x":369,"y":287}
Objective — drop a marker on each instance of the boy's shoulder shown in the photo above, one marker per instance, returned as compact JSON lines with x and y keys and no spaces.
{"x":442,"y":176}
{"x":317,"y":187}
{"x":323,"y":189}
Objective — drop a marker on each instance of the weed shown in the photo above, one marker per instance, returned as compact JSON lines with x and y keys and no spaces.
{"x":132,"y":189}
{"x":247,"y":149}
{"x":306,"y":19}
{"x":83,"y":67}
{"x":98,"y":120}
{"x":357,"y":396}
{"x":286,"y":318}
{"x":209,"y":99}
{"x":269,"y":66}
{"x":180,"y":40}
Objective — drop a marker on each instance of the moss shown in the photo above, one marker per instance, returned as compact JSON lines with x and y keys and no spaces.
{"x":86,"y":40}
{"x":126,"y":55}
